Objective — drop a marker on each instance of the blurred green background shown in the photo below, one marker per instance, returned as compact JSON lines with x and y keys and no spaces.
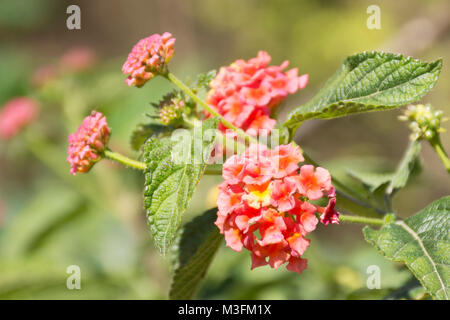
{"x":50,"y":220}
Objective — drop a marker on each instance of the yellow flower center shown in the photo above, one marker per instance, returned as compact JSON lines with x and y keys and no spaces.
{"x":259,"y":196}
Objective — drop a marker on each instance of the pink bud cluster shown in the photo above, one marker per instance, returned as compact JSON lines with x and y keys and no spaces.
{"x":171,"y":111}
{"x":148,"y":58}
{"x":264,"y":204}
{"x":88,"y":143}
{"x":78,"y":59}
{"x":246,"y":91}
{"x":15,"y":115}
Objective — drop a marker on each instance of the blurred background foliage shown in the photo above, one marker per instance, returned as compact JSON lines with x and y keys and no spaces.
{"x":50,"y":220}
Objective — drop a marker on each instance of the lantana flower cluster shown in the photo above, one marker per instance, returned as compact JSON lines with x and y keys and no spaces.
{"x":15,"y":115}
{"x":88,"y":143}
{"x":264,"y":204}
{"x":148,"y":58}
{"x":246,"y":91}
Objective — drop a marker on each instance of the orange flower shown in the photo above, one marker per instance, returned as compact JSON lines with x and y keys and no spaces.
{"x":263,"y":205}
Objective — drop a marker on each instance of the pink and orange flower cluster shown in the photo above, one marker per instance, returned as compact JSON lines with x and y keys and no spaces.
{"x":148,"y":58}
{"x":88,"y":143}
{"x":264,"y":204}
{"x":246,"y":91}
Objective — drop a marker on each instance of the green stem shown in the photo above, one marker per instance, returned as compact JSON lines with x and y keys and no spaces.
{"x":214,"y":170}
{"x":211,"y":110}
{"x":437,"y":146}
{"x":358,"y":219}
{"x":124,"y":160}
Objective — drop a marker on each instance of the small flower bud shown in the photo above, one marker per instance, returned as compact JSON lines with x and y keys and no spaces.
{"x":148,"y":58}
{"x":87,"y":145}
{"x":172,"y":109}
{"x":424,"y":121}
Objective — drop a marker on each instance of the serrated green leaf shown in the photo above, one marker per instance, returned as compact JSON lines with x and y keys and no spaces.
{"x":422,"y":242}
{"x":192,"y":253}
{"x":174,"y":167}
{"x":369,"y":81}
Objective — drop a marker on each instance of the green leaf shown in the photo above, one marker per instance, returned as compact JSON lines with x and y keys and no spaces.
{"x":174,"y":167}
{"x":383,"y":185}
{"x":422,"y":242}
{"x":369,"y":81}
{"x":409,"y":164}
{"x":144,"y":131}
{"x":371,"y":180}
{"x":192,"y":253}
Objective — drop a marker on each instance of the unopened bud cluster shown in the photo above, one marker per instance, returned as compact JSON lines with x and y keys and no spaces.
{"x":424,"y":121}
{"x":171,"y":111}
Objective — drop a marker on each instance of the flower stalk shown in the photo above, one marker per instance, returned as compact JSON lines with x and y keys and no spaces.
{"x":172,"y":78}
{"x":124,"y":160}
{"x":359,"y":219}
{"x":439,"y":149}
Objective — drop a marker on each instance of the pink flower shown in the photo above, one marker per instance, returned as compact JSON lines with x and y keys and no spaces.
{"x":148,"y":58}
{"x":262,"y":209}
{"x":245,"y":91}
{"x":313,"y":184}
{"x":78,"y":59}
{"x":287,"y":157}
{"x":256,"y":96}
{"x":330,"y":215}
{"x":283,"y":194}
{"x":261,"y":125}
{"x":87,"y":145}
{"x":15,"y":115}
{"x":297,"y":264}
{"x":233,"y":169}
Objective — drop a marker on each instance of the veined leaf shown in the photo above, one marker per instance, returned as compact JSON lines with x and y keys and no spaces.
{"x":422,"y":242}
{"x":174,"y":167}
{"x":369,"y":81}
{"x":144,"y":131}
{"x":192,"y":253}
{"x":382,"y":186}
{"x":407,"y":166}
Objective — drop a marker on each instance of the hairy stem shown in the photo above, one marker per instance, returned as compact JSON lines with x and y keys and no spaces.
{"x":211,"y":110}
{"x":358,"y":219}
{"x":214,"y":170}
{"x":437,"y":146}
{"x":124,"y":160}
